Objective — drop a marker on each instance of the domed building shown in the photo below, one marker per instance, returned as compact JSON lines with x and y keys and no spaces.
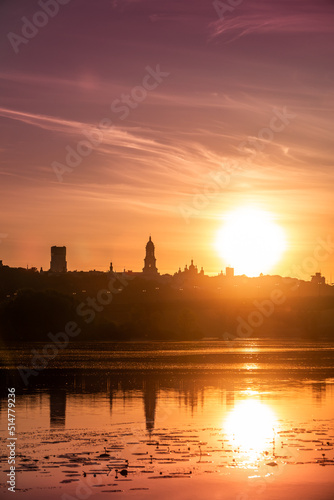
{"x":150,"y":267}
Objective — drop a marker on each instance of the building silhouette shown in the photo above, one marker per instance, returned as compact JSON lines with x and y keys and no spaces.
{"x":58,"y":262}
{"x":150,"y":267}
{"x":229,"y":272}
{"x":317,"y":279}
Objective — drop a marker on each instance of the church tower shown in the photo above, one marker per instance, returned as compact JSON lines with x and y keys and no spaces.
{"x":150,"y":260}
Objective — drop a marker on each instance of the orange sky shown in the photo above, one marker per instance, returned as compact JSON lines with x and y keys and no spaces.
{"x":251,"y":93}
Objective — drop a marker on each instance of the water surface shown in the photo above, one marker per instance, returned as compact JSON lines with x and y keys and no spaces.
{"x":248,"y":420}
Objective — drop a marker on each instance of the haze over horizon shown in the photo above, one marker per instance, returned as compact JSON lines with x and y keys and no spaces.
{"x":246,"y":99}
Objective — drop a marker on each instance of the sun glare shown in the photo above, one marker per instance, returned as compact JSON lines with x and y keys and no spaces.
{"x":250,"y":426}
{"x":250,"y":241}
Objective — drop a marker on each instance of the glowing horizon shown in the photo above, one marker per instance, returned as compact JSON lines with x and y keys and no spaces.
{"x":148,"y":133}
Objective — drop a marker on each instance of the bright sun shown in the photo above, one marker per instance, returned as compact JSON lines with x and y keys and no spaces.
{"x":250,"y":241}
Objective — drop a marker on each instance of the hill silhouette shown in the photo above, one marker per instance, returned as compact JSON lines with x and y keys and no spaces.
{"x":117,"y":307}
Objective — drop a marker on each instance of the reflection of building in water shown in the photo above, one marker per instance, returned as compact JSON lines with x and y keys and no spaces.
{"x":191,"y":394}
{"x":111,"y":400}
{"x":150,"y":400}
{"x":230,"y":399}
{"x":57,"y":407}
{"x":110,"y":389}
{"x":319,"y":391}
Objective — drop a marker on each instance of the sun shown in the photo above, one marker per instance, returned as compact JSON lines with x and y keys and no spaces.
{"x":250,"y":241}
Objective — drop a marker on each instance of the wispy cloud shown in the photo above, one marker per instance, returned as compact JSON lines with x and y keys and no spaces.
{"x":174,"y":162}
{"x":271,"y":17}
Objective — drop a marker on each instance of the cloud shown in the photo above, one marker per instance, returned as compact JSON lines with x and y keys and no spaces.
{"x":271,"y":17}
{"x":133,"y":146}
{"x":42,"y":121}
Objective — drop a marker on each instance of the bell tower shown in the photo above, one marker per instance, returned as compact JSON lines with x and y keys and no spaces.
{"x":150,"y":260}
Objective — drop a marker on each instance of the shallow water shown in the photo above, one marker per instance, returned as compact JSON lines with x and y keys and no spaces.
{"x":192,"y":420}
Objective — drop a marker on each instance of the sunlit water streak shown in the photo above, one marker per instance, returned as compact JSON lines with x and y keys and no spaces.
{"x":251,"y":428}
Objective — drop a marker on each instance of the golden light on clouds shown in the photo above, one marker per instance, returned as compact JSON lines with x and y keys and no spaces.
{"x":251,"y":241}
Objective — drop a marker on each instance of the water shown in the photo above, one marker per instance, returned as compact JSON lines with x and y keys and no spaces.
{"x":243,"y":421}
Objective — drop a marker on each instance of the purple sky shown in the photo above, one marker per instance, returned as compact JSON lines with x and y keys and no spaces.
{"x":226,"y":78}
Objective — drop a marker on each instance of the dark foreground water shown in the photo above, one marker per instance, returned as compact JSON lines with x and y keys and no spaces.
{"x":191,"y":420}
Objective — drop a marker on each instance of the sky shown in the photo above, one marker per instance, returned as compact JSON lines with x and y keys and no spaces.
{"x":191,"y":110}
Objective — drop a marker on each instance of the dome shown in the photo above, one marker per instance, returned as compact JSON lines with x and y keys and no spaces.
{"x":150,"y":243}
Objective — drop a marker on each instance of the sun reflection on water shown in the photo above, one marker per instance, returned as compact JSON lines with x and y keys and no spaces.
{"x":250,"y":428}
